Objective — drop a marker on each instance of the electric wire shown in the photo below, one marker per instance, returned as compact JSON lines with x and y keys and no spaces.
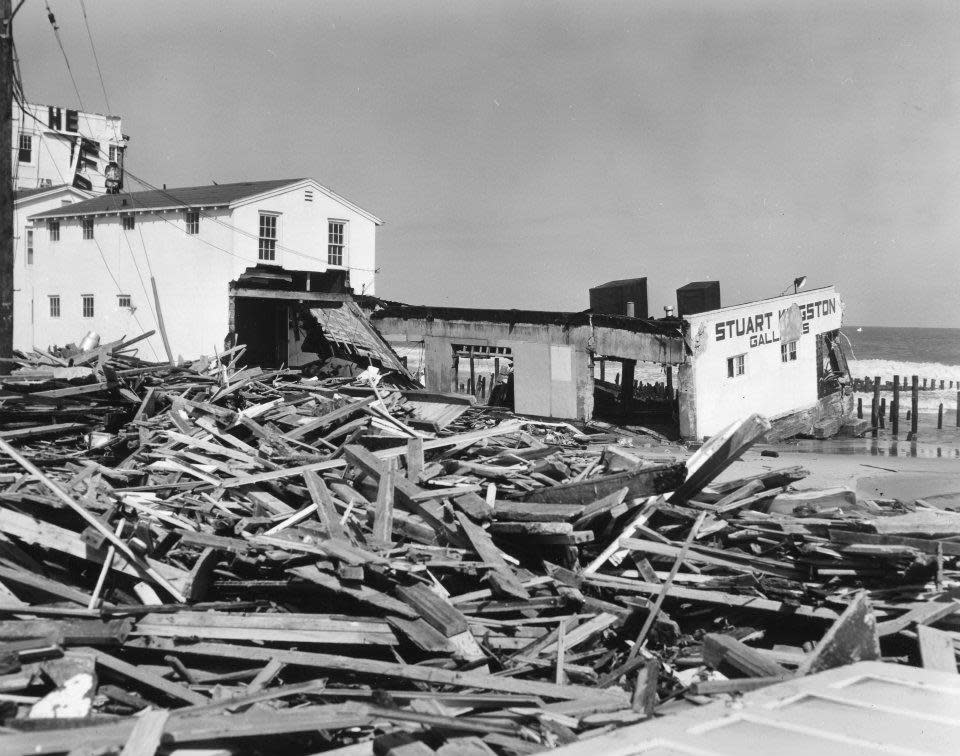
{"x":93,"y":49}
{"x":56,"y":32}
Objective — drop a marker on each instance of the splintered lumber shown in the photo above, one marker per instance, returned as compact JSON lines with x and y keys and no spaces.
{"x":646,"y":482}
{"x":723,"y":652}
{"x":502,"y":576}
{"x":937,"y":649}
{"x":438,"y":612}
{"x":146,"y":679}
{"x":434,"y":676}
{"x":288,"y":628}
{"x":852,"y":638}
{"x":717,"y":454}
{"x":121,"y":546}
{"x":147,"y":733}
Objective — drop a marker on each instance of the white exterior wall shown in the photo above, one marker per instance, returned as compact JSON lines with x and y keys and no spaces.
{"x":25,"y":276}
{"x":302,"y":234}
{"x":50,"y":162}
{"x":192,"y":274}
{"x":769,"y":386}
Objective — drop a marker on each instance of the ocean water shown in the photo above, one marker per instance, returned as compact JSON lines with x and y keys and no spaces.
{"x":931,"y":353}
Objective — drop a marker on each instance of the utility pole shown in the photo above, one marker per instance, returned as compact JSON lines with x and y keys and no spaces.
{"x":6,"y":183}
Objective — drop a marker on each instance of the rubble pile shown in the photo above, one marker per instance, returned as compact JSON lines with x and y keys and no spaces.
{"x":205,"y":556}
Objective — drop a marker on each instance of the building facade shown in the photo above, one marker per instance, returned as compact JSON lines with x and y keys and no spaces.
{"x":776,"y":357}
{"x":54,"y":146}
{"x":96,"y":263}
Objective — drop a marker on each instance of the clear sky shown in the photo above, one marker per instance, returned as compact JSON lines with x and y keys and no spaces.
{"x":521,"y":152}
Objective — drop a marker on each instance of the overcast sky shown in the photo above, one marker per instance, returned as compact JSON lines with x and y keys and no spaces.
{"x":520,"y":153}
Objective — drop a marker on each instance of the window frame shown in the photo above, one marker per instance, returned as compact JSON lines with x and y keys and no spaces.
{"x":267,"y":245}
{"x":737,"y":365}
{"x":54,"y":306}
{"x":83,"y":306}
{"x":86,"y":228}
{"x":53,"y":229}
{"x":191,"y":220}
{"x":788,"y":351}
{"x":127,"y":222}
{"x":337,"y":254}
{"x":29,"y":244}
{"x":28,"y":149}
{"x":128,"y":298}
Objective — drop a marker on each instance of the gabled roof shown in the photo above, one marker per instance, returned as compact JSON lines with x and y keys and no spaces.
{"x":21,"y":194}
{"x":198,"y":197}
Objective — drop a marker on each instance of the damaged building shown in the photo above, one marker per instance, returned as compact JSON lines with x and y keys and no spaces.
{"x":779,"y":357}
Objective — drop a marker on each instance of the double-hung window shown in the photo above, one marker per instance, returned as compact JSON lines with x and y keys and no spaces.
{"x":736,"y":366}
{"x":268,"y":237}
{"x":29,"y":246}
{"x":25,"y":153}
{"x":53,"y":226}
{"x":87,"y":225}
{"x":788,"y":351}
{"x":128,"y":223}
{"x":87,"y":305}
{"x":54,"y":305}
{"x":336,"y":241}
{"x":193,"y":222}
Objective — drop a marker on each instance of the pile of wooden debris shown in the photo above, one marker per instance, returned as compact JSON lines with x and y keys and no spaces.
{"x":210,"y":557}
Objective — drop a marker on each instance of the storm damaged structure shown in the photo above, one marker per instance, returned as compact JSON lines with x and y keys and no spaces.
{"x":778,"y":357}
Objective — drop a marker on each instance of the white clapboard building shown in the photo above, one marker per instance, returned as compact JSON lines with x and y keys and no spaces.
{"x":94,"y":264}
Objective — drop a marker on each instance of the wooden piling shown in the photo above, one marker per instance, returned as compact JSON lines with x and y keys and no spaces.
{"x":859,"y":408}
{"x":473,"y":375}
{"x":895,"y":406}
{"x":603,"y":369}
{"x":914,"y":403}
{"x":940,"y":417}
{"x":875,"y":407}
{"x":883,"y":412}
{"x":941,"y":384}
{"x":958,"y":409}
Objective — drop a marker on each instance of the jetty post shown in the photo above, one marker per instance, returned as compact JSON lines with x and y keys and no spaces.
{"x":914,"y":403}
{"x":895,"y":406}
{"x":875,"y":407}
{"x":940,"y":417}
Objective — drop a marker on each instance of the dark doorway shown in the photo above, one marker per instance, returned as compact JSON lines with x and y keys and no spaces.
{"x":262,"y":325}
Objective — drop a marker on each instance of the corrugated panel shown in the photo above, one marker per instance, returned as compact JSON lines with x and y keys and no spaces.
{"x":865,"y":708}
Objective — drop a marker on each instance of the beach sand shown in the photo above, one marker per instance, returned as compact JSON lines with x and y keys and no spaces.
{"x":872,"y":475}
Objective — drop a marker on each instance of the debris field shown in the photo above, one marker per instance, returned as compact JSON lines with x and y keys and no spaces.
{"x":205,"y":556}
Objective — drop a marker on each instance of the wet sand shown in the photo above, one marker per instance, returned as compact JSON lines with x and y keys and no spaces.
{"x":885,"y":468}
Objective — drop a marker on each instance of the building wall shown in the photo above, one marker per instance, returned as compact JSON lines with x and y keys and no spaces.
{"x":25,"y":276}
{"x":710,"y":400}
{"x":302,"y":231}
{"x":192,"y":279}
{"x":53,"y":159}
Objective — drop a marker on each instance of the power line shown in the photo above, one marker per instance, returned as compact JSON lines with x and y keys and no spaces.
{"x":96,"y":60}
{"x":56,"y":32}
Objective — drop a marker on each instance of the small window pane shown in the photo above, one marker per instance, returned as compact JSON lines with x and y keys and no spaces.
{"x":336,"y":233}
{"x":267,"y":247}
{"x":26,"y":148}
{"x":29,"y":246}
{"x":193,"y":221}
